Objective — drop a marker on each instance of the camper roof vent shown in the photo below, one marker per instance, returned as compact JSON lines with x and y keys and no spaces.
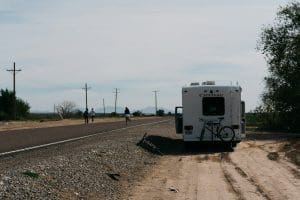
{"x":209,"y":83}
{"x":195,"y":83}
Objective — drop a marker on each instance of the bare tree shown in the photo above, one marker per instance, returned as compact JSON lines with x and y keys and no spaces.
{"x":65,"y":109}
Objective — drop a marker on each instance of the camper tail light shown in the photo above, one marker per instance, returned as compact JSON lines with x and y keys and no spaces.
{"x":188,"y":128}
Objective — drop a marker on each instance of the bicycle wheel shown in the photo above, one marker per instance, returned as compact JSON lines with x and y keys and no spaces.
{"x":226,"y":134}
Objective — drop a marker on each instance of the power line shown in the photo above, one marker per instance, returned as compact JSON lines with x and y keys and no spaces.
{"x":116,"y":98}
{"x":155,"y":97}
{"x":14,"y":71}
{"x":86,"y":88}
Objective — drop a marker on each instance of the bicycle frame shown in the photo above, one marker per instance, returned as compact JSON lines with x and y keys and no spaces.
{"x":210,"y":125}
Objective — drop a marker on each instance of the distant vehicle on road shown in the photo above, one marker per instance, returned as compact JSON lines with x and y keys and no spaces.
{"x":211,"y":113}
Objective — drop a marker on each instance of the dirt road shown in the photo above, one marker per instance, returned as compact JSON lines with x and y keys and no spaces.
{"x":257,"y":169}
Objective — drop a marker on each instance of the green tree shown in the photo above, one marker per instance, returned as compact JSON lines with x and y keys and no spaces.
{"x":22,"y":108}
{"x":280,"y":43}
{"x":160,"y":112}
{"x":6,"y":106}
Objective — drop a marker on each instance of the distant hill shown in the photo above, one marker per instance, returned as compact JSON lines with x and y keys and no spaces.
{"x":110,"y":109}
{"x":151,"y":110}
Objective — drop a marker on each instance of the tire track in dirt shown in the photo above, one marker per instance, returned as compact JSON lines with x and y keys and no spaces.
{"x":225,"y":161}
{"x":245,"y":174}
{"x":281,"y":158}
{"x":227,"y":176}
{"x":212,"y":184}
{"x":230,"y":180}
{"x":271,"y":178}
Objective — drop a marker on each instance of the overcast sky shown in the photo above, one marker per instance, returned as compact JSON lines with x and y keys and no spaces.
{"x":135,"y":45}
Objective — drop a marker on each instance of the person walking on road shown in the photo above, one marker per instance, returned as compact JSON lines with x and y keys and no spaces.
{"x":93,"y":114}
{"x":86,"y":116}
{"x":127,"y":115}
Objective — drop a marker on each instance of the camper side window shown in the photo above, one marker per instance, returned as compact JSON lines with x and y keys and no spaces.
{"x":213,"y":105}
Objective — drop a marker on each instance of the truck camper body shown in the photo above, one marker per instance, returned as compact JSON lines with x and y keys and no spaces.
{"x":206,"y":109}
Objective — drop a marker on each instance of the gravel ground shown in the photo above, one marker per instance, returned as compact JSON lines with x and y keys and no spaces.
{"x":102,"y":167}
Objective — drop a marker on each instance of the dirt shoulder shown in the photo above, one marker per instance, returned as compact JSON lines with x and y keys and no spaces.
{"x":256,"y":169}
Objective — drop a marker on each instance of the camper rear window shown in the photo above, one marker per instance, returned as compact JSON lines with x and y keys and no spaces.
{"x":213,"y":105}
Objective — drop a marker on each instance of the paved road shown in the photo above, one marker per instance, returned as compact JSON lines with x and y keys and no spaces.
{"x":18,"y":139}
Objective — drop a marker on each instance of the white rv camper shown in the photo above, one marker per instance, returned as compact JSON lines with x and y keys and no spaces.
{"x":211,"y":113}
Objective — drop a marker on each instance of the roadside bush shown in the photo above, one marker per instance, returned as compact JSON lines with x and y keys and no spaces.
{"x":137,"y":113}
{"x":114,"y":114}
{"x":160,"y":112}
{"x":269,"y":120}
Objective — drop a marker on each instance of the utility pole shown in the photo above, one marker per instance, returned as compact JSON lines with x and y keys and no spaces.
{"x":14,"y":71}
{"x":155,"y":96}
{"x":116,"y":98}
{"x":86,"y":88}
{"x":103,"y":107}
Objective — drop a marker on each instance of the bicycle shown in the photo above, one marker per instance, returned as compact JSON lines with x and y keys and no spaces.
{"x":224,"y":133}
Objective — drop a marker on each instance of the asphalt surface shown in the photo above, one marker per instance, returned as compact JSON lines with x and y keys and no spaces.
{"x":19,"y":139}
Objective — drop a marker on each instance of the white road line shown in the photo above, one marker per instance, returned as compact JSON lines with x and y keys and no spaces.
{"x":77,"y":138}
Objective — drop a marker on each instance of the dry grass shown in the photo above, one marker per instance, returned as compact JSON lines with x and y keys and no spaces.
{"x":292,"y":151}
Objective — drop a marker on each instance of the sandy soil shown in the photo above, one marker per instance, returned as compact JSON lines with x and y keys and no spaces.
{"x":15,"y":125}
{"x":254,"y":170}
